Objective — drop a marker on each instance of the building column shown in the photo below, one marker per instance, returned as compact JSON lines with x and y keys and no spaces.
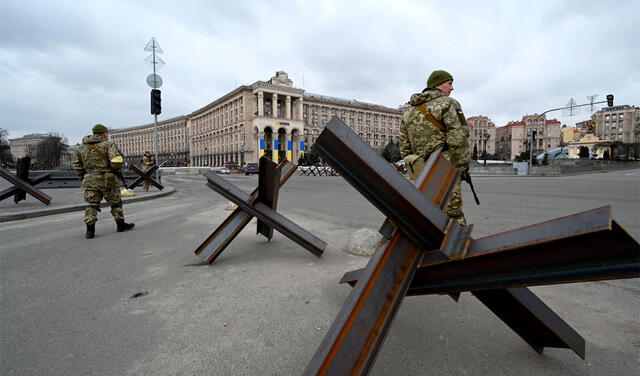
{"x":260,"y":103}
{"x":300,"y":109}
{"x":287,"y":107}
{"x":274,"y":105}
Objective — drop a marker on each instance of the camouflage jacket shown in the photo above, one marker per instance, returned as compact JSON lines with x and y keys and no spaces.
{"x":419,"y":137}
{"x":93,"y":169}
{"x":147,"y":161}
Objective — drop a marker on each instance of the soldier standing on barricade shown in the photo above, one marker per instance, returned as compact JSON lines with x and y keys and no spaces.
{"x":435,"y":121}
{"x":147,"y":162}
{"x":96,"y":160}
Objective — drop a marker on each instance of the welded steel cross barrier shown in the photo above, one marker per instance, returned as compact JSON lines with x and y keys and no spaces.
{"x":22,"y":184}
{"x":145,"y":176}
{"x":261,"y":203}
{"x":429,"y":253}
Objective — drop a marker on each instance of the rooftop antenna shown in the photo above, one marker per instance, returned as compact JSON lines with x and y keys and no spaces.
{"x":571,"y":109}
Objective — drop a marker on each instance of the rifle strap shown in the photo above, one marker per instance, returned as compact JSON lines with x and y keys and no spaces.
{"x":430,"y":117}
{"x":100,"y":154}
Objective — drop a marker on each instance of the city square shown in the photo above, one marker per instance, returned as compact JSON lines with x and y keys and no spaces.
{"x":319,"y":188}
{"x":142,"y":303}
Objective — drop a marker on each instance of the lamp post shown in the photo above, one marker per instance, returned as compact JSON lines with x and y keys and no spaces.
{"x":532,"y":133}
{"x":244,"y":142}
{"x":485,"y":137}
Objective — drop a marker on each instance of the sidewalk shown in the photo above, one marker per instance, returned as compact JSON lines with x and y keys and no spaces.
{"x":64,"y":200}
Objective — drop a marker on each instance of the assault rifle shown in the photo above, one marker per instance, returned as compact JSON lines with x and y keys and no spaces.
{"x":118,"y":173}
{"x":467,"y":177}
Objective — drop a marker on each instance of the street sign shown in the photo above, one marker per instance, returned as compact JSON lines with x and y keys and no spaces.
{"x":154,"y":81}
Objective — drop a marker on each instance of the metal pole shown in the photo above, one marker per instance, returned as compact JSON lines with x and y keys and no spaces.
{"x":530,"y":153}
{"x":155,"y":145}
{"x":155,"y":120}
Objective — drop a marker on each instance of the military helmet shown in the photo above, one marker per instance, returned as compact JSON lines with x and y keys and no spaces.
{"x":99,"y":129}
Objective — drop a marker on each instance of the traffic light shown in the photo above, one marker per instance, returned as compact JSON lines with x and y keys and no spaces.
{"x":156,"y":107}
{"x":610,"y":100}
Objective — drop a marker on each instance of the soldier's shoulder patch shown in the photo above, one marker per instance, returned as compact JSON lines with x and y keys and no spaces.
{"x":459,"y":111}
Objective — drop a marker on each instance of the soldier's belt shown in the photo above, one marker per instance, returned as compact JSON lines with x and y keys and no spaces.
{"x":98,"y":172}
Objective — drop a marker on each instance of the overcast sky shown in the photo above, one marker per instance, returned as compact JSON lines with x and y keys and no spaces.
{"x":66,"y":65}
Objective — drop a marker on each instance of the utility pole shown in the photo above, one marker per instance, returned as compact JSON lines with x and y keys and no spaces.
{"x":155,"y":81}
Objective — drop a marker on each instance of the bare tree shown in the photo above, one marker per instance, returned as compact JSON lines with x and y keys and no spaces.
{"x":49,"y":151}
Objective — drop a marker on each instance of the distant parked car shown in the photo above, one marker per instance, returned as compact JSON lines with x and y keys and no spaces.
{"x":251,"y":168}
{"x":223,"y":170}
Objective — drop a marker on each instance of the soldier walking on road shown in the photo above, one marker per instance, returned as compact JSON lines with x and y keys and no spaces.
{"x":435,"y":121}
{"x":147,"y":162}
{"x":96,"y":160}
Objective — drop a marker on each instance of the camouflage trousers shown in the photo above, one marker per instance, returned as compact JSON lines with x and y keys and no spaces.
{"x":94,"y":197}
{"x":454,"y":206}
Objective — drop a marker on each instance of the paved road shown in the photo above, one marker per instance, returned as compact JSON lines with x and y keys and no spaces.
{"x":69,"y":305}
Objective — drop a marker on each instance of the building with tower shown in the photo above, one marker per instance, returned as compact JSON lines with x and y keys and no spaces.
{"x":271,"y":118}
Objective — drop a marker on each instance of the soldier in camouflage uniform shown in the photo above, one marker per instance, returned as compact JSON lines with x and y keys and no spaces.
{"x":95,"y":161}
{"x":147,"y":162}
{"x":421,"y":135}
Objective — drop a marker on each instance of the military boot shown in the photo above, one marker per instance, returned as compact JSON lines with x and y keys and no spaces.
{"x":91,"y":231}
{"x":123,"y":226}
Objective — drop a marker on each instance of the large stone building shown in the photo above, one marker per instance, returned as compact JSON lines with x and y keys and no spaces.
{"x":26,"y":144}
{"x":173,"y":141}
{"x":482,"y":135}
{"x":515,"y":137}
{"x":510,"y":140}
{"x":618,"y":123}
{"x":271,"y":118}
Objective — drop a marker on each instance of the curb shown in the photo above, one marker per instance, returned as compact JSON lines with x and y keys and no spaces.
{"x":77,"y":207}
{"x":553,"y":175}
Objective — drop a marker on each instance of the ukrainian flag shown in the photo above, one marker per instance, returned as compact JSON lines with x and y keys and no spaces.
{"x":261,"y":147}
{"x":275,"y":151}
{"x":289,"y":150}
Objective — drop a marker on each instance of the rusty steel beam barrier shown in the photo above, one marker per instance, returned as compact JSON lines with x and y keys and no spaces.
{"x":353,"y":340}
{"x":213,"y":246}
{"x":382,"y":185}
{"x":21,"y":187}
{"x":367,"y":312}
{"x":146,"y":175}
{"x":266,"y":214}
{"x":587,"y":246}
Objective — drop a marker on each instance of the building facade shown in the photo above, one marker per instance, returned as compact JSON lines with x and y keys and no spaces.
{"x":26,"y":144}
{"x":482,"y":135}
{"x":510,"y":140}
{"x":173,"y":141}
{"x":515,"y":137}
{"x":618,"y":123}
{"x":271,"y":118}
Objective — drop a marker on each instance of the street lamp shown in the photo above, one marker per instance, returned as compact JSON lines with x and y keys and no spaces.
{"x":244,"y":137}
{"x":532,"y":133}
{"x":485,"y":138}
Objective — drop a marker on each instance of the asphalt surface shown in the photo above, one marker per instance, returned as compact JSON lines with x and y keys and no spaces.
{"x":141,"y":303}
